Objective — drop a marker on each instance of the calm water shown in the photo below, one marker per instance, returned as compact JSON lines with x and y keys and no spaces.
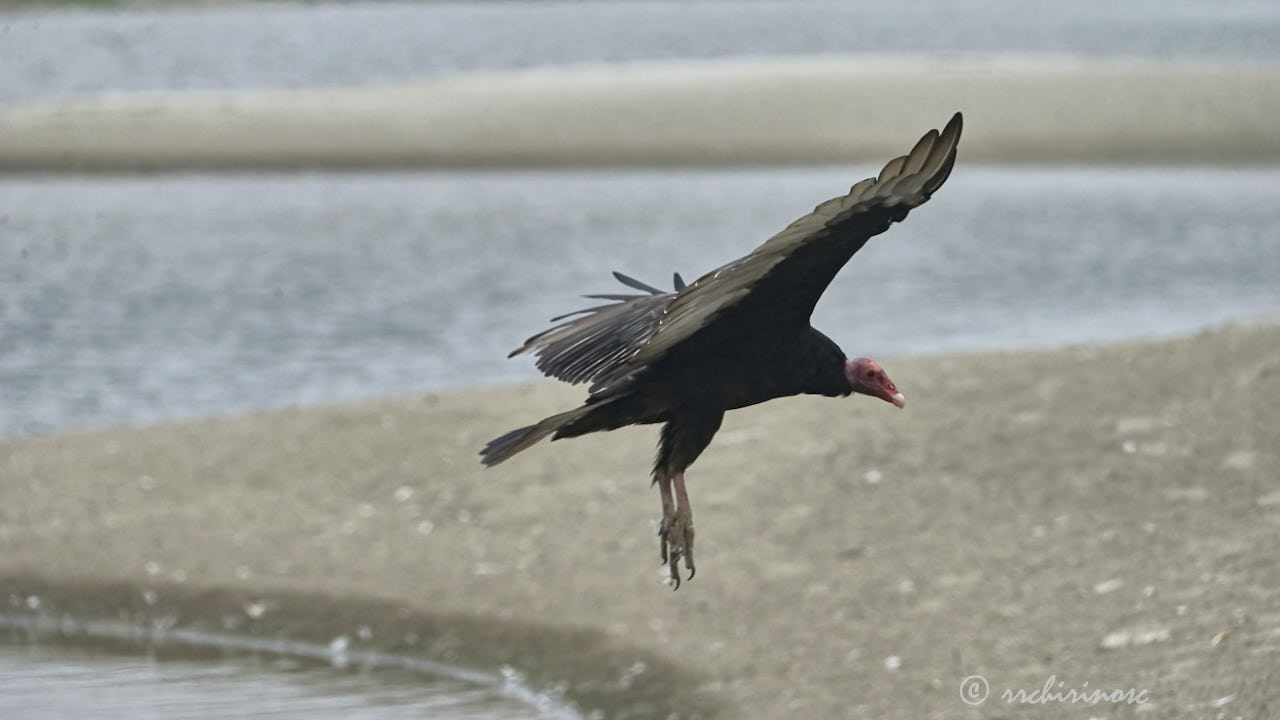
{"x":134,"y":299}
{"x":106,"y":686}
{"x":291,"y":45}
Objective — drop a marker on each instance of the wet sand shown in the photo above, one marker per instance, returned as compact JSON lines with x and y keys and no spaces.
{"x":1107,"y":515}
{"x":724,"y":112}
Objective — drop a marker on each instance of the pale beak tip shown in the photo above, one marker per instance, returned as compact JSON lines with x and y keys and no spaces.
{"x":898,"y":400}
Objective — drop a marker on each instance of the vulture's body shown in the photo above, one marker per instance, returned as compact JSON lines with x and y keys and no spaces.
{"x":737,"y":336}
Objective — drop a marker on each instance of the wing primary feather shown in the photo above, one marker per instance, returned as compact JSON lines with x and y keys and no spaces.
{"x":678,"y":282}
{"x":944,"y":148}
{"x":920,"y":153}
{"x":612,"y":296}
{"x":885,"y":188}
{"x":935,"y":181}
{"x":860,"y":188}
{"x":634,"y":283}
{"x":892,"y":168}
{"x":558,"y":318}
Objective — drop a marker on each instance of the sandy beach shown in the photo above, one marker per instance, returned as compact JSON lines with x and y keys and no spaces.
{"x":1101,"y":515}
{"x":1019,"y":110}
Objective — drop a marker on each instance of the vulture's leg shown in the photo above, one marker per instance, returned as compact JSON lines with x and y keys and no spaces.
{"x":684,"y":437}
{"x":675,"y":535}
{"x":668,"y":513}
{"x":684,"y":519}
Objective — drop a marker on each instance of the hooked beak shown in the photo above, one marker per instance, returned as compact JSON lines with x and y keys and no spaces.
{"x":898,"y":400}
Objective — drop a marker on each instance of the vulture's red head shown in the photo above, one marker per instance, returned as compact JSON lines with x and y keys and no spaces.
{"x":867,"y":377}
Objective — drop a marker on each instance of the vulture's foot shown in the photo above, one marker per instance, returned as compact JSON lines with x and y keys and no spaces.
{"x":675,"y":535}
{"x":676,"y":538}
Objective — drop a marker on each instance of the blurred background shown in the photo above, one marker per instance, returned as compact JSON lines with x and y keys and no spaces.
{"x":210,"y":208}
{"x":217,"y":207}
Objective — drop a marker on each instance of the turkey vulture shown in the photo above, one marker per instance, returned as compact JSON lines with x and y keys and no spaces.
{"x":737,"y":336}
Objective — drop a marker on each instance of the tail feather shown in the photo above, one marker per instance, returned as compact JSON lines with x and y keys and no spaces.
{"x":503,"y":447}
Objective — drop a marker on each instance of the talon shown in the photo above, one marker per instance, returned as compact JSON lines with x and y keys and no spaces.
{"x":675,"y":532}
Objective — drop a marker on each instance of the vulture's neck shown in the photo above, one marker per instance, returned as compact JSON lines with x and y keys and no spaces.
{"x":825,"y":363}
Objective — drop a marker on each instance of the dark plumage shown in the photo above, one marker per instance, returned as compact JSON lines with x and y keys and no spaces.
{"x":737,"y":336}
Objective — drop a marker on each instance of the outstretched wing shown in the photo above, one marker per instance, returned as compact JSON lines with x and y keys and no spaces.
{"x":776,"y":285}
{"x":779,"y":283}
{"x":578,"y":350}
